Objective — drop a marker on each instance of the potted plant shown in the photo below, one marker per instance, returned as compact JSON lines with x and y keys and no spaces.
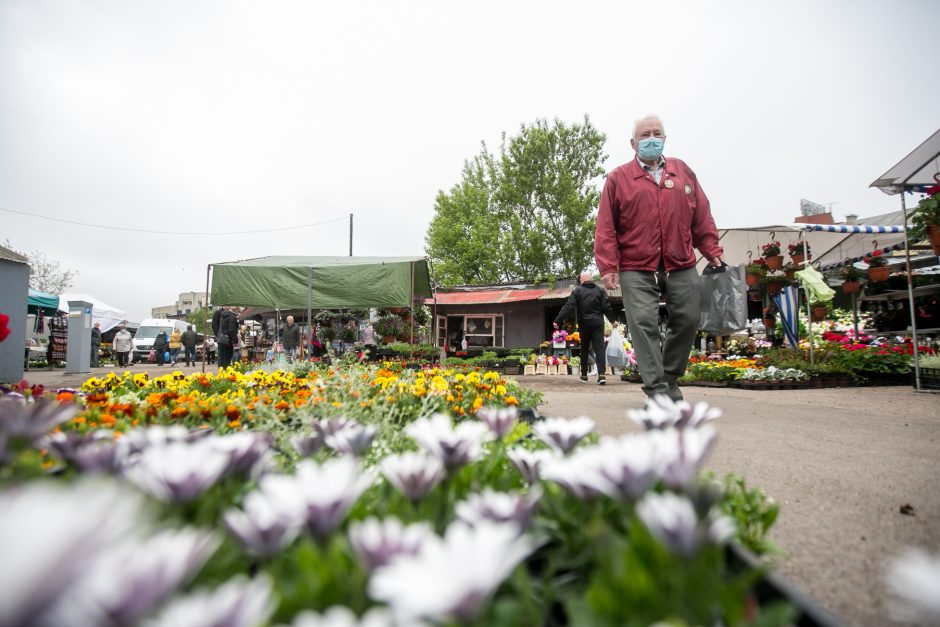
{"x":755,"y":270}
{"x":790,"y":270}
{"x":797,"y":253}
{"x":851,"y":277}
{"x":388,"y":327}
{"x":771,"y":252}
{"x":878,"y":269}
{"x":925,"y":221}
{"x":774,"y":282}
{"x":818,"y":311}
{"x":349,"y":334}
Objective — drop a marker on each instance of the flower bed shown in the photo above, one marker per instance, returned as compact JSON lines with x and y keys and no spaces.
{"x":271,"y":495}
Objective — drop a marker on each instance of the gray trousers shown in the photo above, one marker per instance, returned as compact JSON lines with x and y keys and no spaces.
{"x":661,"y":366}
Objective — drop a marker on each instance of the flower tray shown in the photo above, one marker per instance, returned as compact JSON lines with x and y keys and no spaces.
{"x":930,"y":378}
{"x":886,"y":378}
{"x":770,"y":385}
{"x":705,"y":384}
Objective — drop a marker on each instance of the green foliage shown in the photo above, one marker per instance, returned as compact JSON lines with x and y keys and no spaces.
{"x":525,"y":214}
{"x":201,"y":319}
{"x":753,"y":512}
{"x":927,"y":213}
{"x":404,"y":350}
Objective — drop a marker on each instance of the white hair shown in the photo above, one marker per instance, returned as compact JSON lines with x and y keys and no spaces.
{"x":647,"y":118}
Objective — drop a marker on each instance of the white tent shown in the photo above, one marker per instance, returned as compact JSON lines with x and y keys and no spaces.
{"x":916,"y":172}
{"x":108,"y":316}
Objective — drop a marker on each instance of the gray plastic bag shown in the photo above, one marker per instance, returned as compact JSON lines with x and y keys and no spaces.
{"x":724,"y":300}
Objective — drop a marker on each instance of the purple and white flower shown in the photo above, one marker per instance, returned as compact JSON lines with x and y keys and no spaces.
{"x":133,"y":578}
{"x":352,"y":439}
{"x":454,"y":446}
{"x":681,"y":453}
{"x":93,"y":452}
{"x":178,"y":472}
{"x":247,"y":451}
{"x":339,"y":616}
{"x":322,"y":492}
{"x":576,"y":473}
{"x":499,"y":420}
{"x":264,"y":526}
{"x":499,"y":507}
{"x":913,"y":580}
{"x":661,"y":412}
{"x":673,"y":521}
{"x":23,"y":423}
{"x":563,"y":434}
{"x":530,"y":463}
{"x":377,"y":542}
{"x":413,"y":474}
{"x":239,"y":602}
{"x":452,"y":577}
{"x":50,"y":533}
{"x":307,"y":445}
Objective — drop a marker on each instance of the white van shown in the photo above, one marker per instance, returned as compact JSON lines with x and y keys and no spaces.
{"x":148,"y":331}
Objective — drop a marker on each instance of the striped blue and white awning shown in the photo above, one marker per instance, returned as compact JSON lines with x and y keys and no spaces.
{"x":853,"y":228}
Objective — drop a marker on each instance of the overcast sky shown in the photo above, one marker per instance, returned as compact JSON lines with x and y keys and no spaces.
{"x":232,"y":116}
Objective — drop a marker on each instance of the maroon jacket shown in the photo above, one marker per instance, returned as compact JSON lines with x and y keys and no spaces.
{"x":638,"y":221}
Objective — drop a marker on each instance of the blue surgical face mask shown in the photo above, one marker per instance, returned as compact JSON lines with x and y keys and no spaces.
{"x":650,"y":148}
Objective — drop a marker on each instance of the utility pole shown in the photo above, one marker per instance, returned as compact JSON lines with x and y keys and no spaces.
{"x":350,"y":233}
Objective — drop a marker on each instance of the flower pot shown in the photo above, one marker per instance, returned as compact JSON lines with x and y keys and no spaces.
{"x":933,"y":234}
{"x":790,"y":273}
{"x":797,"y":259}
{"x":851,"y":287}
{"x":388,"y":339}
{"x":774,"y":262}
{"x":773,"y":287}
{"x":818,"y":314}
{"x":752,"y":279}
{"x":879,"y":275}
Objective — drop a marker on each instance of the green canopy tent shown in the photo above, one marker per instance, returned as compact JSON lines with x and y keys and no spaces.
{"x":319,"y":282}
{"x":36,"y":300}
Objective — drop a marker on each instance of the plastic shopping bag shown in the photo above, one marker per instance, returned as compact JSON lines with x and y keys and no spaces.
{"x":724,"y":300}
{"x":616,"y":353}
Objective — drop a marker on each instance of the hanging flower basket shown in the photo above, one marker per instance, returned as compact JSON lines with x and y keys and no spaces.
{"x":774,"y":262}
{"x":933,"y":234}
{"x":878,"y":274}
{"x":851,"y":287}
{"x":818,"y":314}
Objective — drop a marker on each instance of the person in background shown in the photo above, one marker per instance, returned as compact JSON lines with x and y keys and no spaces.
{"x":652,"y":213}
{"x":189,"y":339}
{"x":161,"y":344}
{"x":225,"y":329}
{"x":290,"y":339}
{"x":368,"y":340}
{"x":590,"y":304}
{"x":209,"y":348}
{"x":122,"y":346}
{"x":95,"y":344}
{"x":176,"y":343}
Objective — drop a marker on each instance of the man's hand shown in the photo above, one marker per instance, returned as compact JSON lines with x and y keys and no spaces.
{"x":717,"y":261}
{"x":611,"y":280}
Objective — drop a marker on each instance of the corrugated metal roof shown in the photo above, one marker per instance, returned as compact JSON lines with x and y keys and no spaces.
{"x":486,"y":297}
{"x":562,"y":293}
{"x":9,"y":255}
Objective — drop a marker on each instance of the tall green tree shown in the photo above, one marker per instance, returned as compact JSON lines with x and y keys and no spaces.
{"x":525,"y":214}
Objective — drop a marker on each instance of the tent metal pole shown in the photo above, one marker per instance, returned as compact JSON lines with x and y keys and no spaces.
{"x":855,"y":315}
{"x":910,"y":292}
{"x":208,"y":308}
{"x":411,"y":350}
{"x":309,"y":310}
{"x":809,"y":311}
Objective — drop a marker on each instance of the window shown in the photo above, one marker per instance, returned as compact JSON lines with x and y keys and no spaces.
{"x":484,"y":330}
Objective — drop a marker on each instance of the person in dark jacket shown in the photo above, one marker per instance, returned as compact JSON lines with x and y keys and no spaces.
{"x":95,"y":344}
{"x":590,"y":304}
{"x":188,"y":339}
{"x":225,"y":328}
{"x":290,"y":338}
{"x":160,"y":345}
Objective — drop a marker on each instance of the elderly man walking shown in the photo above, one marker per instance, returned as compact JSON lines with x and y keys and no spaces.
{"x":290,"y":338}
{"x":590,"y":304}
{"x":652,"y":213}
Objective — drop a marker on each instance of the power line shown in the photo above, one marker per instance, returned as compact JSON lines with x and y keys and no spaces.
{"x":121,"y":228}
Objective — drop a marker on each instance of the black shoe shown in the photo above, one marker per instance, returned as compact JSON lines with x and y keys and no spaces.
{"x":583,"y":378}
{"x":601,"y":380}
